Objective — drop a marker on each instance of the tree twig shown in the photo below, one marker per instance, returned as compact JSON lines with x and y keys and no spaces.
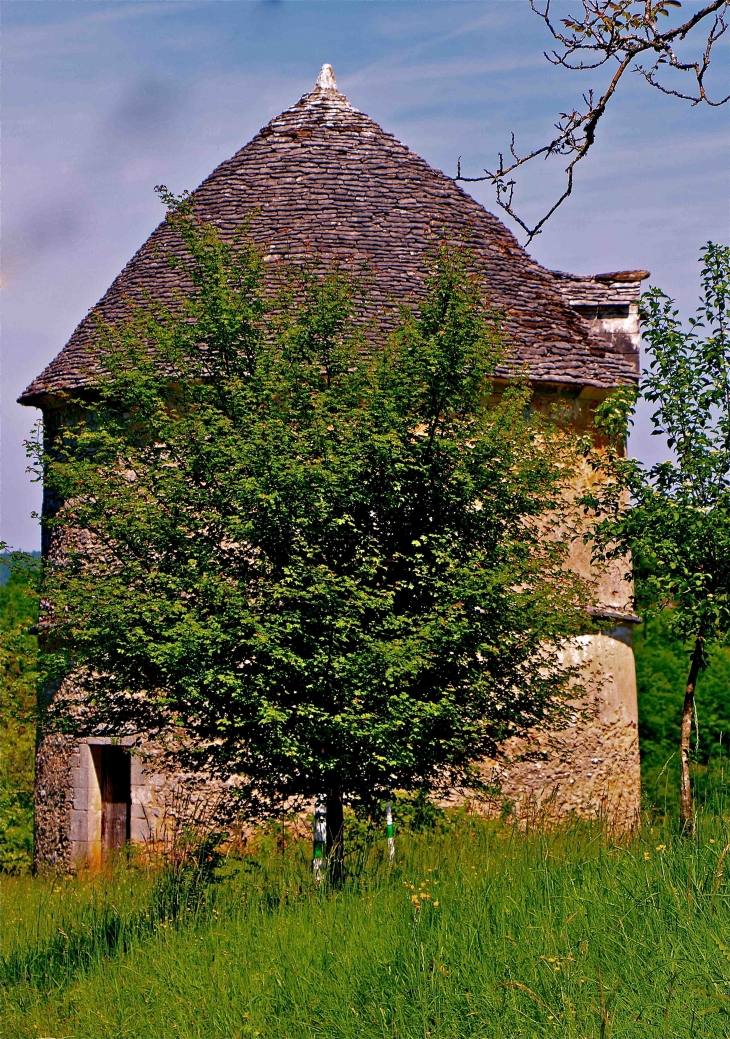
{"x":608,"y":32}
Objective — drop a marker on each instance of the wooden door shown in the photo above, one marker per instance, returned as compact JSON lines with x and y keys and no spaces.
{"x":113,"y":771}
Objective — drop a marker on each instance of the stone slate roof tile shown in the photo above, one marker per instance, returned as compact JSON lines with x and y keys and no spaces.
{"x":598,"y":290}
{"x":323,"y":178}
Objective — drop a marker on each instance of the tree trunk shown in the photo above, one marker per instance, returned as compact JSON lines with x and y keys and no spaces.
{"x":319,"y":852}
{"x":686,"y":813}
{"x":335,"y":838}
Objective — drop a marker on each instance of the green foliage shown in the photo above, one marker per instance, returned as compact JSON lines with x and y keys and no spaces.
{"x":18,"y":677}
{"x":324,"y":563}
{"x":674,"y":519}
{"x":661,"y":673}
{"x":477,"y":931}
{"x":417,"y":813}
{"x":677,"y":525}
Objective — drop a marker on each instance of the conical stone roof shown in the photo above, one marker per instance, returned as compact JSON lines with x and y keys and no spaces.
{"x":323,"y":178}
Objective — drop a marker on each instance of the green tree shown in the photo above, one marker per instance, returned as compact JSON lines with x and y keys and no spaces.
{"x":18,"y":676}
{"x":676,"y":521}
{"x":661,"y":676}
{"x":324,"y":558}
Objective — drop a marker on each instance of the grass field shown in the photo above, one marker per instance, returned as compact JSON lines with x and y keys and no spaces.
{"x":477,"y":931}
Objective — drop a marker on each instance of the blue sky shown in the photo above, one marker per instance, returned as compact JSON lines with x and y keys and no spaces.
{"x":102,"y":100}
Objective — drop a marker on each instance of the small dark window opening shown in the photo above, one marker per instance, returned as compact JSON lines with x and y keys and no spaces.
{"x":591,"y":312}
{"x":113,"y":771}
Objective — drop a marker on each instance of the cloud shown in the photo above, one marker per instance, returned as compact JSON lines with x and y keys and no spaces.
{"x":59,"y":35}
{"x":53,"y":227}
{"x":147,"y":108}
{"x":387,"y":73}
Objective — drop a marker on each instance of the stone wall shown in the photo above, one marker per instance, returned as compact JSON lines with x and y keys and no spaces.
{"x":68,"y":808}
{"x":53,"y":800}
{"x":590,"y":767}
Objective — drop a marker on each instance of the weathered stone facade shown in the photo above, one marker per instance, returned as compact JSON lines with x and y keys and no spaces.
{"x":590,"y":767}
{"x":69,"y":814}
{"x":324,"y":178}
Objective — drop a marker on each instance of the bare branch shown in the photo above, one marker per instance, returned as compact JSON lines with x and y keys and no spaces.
{"x":609,"y":31}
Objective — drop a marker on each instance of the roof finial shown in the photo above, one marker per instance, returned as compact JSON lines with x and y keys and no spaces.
{"x":326,"y":78}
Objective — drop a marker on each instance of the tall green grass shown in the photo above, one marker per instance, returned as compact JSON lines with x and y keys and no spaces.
{"x":57,"y":927}
{"x":478,"y":930}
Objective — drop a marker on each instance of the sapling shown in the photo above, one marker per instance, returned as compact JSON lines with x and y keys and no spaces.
{"x":674,"y":517}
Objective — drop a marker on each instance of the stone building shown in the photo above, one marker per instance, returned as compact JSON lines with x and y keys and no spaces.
{"x":324,"y":178}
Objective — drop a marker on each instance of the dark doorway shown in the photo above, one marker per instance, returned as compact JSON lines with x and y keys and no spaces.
{"x":112,"y":766}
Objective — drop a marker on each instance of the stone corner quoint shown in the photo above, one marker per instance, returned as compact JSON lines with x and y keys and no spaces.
{"x":324,"y":177}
